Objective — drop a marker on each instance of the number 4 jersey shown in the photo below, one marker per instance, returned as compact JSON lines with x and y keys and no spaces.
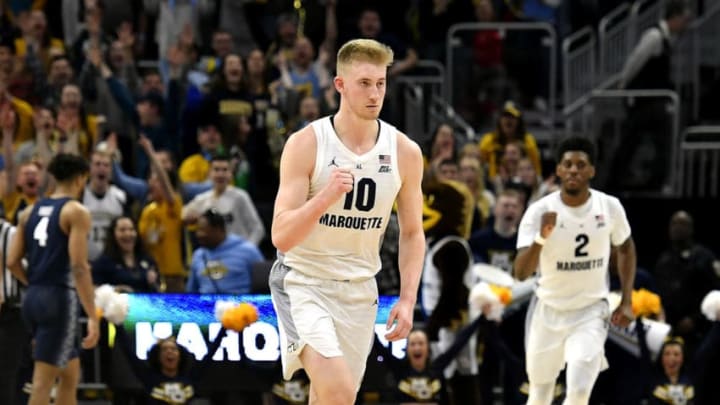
{"x":345,"y":243}
{"x":46,"y":245}
{"x":574,"y":260}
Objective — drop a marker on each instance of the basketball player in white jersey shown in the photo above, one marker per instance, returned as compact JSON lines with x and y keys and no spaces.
{"x":567,"y":236}
{"x":339,"y":178}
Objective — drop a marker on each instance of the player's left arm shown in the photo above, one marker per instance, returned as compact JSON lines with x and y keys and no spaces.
{"x":412,"y":237}
{"x":627,"y":264}
{"x":76,"y":221}
{"x":17,"y":248}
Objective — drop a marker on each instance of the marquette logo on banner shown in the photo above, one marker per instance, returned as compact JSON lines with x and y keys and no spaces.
{"x":191,"y":320}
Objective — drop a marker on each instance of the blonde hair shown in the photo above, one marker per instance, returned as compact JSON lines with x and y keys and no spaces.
{"x":363,"y":50}
{"x":482,"y":201}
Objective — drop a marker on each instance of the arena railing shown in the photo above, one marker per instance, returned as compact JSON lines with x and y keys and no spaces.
{"x":441,"y":112}
{"x":699,"y":162}
{"x":644,"y":14}
{"x":456,"y":70}
{"x":416,"y":91}
{"x":604,"y":119}
{"x":698,"y":47}
{"x":615,"y":43}
{"x":579,"y":67}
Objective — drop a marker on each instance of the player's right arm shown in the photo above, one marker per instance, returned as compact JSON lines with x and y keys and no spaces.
{"x":534,"y":228}
{"x":295,"y":215}
{"x":17,"y":248}
{"x":75,"y":220}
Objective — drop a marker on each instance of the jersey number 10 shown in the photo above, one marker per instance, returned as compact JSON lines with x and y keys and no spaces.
{"x":365,"y":200}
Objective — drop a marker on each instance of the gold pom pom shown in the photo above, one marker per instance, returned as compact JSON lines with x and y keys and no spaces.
{"x":503,"y":293}
{"x":645,"y":303}
{"x":239,"y":317}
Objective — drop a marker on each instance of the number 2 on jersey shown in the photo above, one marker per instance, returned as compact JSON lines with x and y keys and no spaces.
{"x":582,"y":241}
{"x":40,"y":232}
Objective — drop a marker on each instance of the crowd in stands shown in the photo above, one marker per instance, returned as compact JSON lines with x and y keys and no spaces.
{"x":184,"y":155}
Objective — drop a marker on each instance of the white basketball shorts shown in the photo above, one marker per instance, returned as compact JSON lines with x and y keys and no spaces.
{"x":556,"y":337}
{"x":335,"y":318}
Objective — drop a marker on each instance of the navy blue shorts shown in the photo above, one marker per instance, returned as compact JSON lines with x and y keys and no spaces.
{"x":51,"y":314}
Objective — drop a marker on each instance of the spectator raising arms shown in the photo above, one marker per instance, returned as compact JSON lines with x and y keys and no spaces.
{"x":160,"y":223}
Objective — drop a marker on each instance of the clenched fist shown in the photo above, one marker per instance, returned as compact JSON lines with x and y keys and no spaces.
{"x":547,"y":223}
{"x":341,"y":181}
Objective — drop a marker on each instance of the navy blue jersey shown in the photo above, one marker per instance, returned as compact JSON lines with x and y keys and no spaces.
{"x":46,"y":245}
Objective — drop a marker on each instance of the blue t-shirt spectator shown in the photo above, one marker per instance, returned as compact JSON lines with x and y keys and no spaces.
{"x":224,"y":269}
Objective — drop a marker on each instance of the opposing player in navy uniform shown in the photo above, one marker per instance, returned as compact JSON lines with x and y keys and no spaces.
{"x":567,"y":236}
{"x":339,"y":179}
{"x":52,"y":235}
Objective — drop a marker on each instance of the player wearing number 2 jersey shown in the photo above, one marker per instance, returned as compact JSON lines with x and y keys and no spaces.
{"x":339,"y":178}
{"x":53,"y":236}
{"x":567,"y":236}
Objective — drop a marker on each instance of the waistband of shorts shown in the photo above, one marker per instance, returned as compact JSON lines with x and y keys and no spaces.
{"x":352,"y":281}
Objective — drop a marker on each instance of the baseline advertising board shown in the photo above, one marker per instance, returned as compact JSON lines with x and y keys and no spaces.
{"x":191,"y":319}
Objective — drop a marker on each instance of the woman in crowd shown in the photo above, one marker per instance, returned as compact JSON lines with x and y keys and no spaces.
{"x":170,"y":375}
{"x":124,"y":264}
{"x":671,"y":383}
{"x":675,"y":382}
{"x":510,"y":128}
{"x":471,"y":173}
{"x":535,"y":185}
{"x":440,"y":147}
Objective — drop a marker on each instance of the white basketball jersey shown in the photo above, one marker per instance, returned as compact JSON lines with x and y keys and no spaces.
{"x":574,"y":260}
{"x":345,"y":243}
{"x":102,"y":210}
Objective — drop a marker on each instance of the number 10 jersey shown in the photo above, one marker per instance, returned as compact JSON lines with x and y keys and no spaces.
{"x":345,"y":243}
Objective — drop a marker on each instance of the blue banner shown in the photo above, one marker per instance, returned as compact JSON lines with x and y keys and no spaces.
{"x":191,"y":319}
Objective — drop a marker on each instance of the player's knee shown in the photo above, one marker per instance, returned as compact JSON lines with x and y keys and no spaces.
{"x":577,"y":396}
{"x":581,"y":377}
{"x":341,"y":393}
{"x":68,"y":382}
{"x":70,"y":375}
{"x":42,"y":384}
{"x":541,"y":394}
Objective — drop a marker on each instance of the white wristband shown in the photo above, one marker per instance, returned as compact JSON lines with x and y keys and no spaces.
{"x":539,"y":239}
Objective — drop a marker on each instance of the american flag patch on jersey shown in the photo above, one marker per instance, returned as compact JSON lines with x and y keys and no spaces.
{"x":600,"y":219}
{"x":384,"y":159}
